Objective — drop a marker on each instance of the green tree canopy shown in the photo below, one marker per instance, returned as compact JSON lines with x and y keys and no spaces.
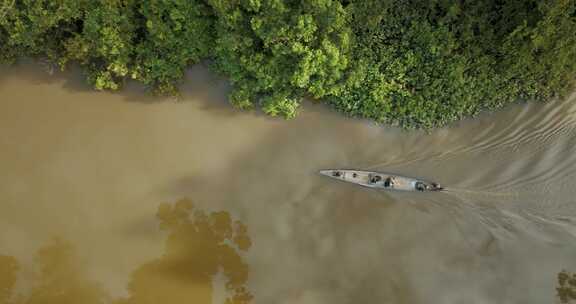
{"x":277,"y":51}
{"x":412,"y":63}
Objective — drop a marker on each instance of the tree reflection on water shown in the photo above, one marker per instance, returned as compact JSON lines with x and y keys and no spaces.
{"x":199,"y":246}
{"x":566,"y":289}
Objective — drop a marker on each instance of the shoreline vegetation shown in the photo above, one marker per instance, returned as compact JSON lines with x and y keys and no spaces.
{"x":409,"y":63}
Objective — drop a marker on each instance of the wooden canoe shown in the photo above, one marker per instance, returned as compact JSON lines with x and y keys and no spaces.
{"x":380,"y":180}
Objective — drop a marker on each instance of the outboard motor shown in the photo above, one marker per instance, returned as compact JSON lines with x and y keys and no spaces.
{"x":436,"y":187}
{"x":420,"y":186}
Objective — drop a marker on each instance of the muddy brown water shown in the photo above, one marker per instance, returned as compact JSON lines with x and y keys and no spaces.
{"x":83,"y":176}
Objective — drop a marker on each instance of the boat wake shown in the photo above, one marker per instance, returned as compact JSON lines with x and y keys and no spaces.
{"x":457,"y":191}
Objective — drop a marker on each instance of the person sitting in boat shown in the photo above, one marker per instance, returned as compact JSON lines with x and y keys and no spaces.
{"x":375,"y":178}
{"x":389,"y":182}
{"x":337,"y":174}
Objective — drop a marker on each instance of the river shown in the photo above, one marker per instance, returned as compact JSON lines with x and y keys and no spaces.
{"x":83,"y":175}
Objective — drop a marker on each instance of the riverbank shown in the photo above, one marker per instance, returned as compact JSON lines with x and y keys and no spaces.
{"x":416,"y":65}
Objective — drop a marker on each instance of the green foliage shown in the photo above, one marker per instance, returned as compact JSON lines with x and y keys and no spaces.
{"x":176,"y":34}
{"x":426,"y":64}
{"x":277,"y":51}
{"x":541,"y":59}
{"x":411,"y":63}
{"x":105,"y":43}
{"x":36,"y":27}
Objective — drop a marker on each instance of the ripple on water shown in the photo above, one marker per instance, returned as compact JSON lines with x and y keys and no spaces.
{"x":90,"y":165}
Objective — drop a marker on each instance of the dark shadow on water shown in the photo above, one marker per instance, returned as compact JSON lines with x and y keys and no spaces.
{"x":200,"y":85}
{"x":38,"y":72}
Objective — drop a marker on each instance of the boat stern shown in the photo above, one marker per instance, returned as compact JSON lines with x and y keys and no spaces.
{"x":436,"y":187}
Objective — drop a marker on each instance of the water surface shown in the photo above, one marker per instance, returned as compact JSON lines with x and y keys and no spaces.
{"x":83,"y":175}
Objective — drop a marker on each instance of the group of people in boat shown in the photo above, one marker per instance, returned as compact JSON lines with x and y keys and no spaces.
{"x":390,"y":181}
{"x":420,"y":186}
{"x":339,"y":174}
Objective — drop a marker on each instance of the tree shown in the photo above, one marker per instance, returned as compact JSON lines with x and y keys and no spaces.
{"x":410,"y":63}
{"x":176,"y":34}
{"x":275,"y":51}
